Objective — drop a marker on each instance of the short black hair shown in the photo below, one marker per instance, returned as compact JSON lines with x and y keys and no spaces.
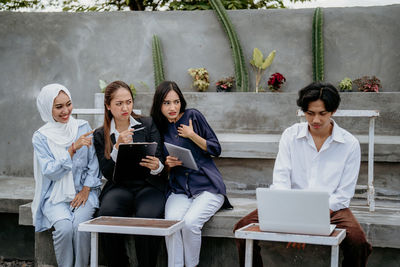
{"x":161,"y":92}
{"x":315,"y":91}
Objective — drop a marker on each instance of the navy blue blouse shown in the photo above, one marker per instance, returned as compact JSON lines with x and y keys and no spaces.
{"x":187,"y":181}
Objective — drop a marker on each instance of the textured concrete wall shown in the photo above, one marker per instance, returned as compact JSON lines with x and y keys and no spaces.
{"x":78,"y":49}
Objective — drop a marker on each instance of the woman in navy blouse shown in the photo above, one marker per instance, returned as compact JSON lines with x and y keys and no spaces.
{"x":194,"y":196}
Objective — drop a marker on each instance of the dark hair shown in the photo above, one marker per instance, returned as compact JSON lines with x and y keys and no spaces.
{"x":108,"y":96}
{"x":161,"y":92}
{"x":315,"y":91}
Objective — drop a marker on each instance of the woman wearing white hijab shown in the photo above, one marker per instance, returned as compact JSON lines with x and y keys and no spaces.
{"x":67,"y":176}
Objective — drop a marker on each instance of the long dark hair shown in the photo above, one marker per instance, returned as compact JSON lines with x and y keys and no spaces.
{"x":108,"y":96}
{"x":161,"y":92}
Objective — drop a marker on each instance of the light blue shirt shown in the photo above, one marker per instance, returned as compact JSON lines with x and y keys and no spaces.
{"x":85,"y":170}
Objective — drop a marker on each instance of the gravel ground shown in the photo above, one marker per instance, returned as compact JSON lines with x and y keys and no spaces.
{"x":15,"y":263}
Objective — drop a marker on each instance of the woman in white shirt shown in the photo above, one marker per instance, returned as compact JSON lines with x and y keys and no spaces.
{"x":67,"y":177}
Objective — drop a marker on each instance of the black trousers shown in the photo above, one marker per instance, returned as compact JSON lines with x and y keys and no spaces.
{"x":142,"y":202}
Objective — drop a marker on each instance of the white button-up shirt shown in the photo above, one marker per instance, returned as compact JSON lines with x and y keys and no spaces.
{"x":114,"y":152}
{"x":333,"y":169}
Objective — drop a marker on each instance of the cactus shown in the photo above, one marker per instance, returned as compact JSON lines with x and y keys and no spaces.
{"x":241,"y":73}
{"x":318,"y":46}
{"x":157,"y":61}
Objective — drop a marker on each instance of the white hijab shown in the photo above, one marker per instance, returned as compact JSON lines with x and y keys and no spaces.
{"x":59,"y":137}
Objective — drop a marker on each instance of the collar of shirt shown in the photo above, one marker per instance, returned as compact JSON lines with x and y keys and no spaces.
{"x":336,"y":135}
{"x":113,"y":130}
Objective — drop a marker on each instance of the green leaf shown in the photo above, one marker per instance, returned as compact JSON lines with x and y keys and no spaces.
{"x":257,"y":57}
{"x":268,"y":61}
{"x":133,"y":89}
{"x":102,"y":85}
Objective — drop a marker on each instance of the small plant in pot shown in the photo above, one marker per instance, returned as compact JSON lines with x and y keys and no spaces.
{"x":346,"y":85}
{"x":275,"y":82}
{"x":200,"y":78}
{"x":225,"y":84}
{"x":368,"y":84}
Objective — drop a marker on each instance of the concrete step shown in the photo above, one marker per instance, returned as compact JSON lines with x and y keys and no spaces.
{"x":382,"y":227}
{"x":265,"y":146}
{"x":14,"y":192}
{"x":250,"y":173}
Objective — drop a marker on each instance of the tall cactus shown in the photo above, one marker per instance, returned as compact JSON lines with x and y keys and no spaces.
{"x":241,"y":73}
{"x":157,"y":61}
{"x":318,"y":46}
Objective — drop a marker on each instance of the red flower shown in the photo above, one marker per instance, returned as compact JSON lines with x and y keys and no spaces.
{"x":275,"y":81}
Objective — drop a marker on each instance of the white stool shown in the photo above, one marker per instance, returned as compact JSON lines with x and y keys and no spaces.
{"x":132,"y":226}
{"x":252,"y":232}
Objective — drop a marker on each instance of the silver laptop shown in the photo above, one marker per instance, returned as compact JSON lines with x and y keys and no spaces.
{"x":294,"y":211}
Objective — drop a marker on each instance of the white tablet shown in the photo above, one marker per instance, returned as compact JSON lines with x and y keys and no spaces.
{"x":183,"y":154}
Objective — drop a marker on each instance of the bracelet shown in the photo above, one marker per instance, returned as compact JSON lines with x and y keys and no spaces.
{"x":73,"y":148}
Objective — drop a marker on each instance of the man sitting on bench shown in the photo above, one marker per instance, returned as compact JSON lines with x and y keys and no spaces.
{"x":318,"y":154}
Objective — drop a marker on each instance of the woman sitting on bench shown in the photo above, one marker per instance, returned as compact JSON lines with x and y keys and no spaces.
{"x":67,"y":177}
{"x":142,"y":197}
{"x":194,"y":196}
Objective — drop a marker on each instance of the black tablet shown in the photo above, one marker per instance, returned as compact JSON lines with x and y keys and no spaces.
{"x":129,"y":156}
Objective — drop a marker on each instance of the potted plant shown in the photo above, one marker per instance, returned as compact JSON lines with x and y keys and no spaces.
{"x":200,"y":78}
{"x":368,"y":84}
{"x":260,"y":65}
{"x":225,"y":84}
{"x":346,"y":85}
{"x":275,"y":82}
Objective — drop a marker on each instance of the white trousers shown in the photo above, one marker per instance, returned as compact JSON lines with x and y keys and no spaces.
{"x":195,"y":212}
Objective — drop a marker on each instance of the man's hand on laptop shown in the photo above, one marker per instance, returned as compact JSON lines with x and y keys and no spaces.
{"x":296,"y":245}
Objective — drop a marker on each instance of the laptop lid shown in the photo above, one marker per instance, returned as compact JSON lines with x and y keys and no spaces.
{"x":293,"y":211}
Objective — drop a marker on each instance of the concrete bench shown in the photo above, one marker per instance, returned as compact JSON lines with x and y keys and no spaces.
{"x":382,"y":228}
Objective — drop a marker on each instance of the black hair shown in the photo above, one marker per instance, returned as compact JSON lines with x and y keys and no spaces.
{"x":161,"y":92}
{"x":319,"y":91}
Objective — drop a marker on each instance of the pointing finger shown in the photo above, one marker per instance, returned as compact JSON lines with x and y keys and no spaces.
{"x":89,"y":133}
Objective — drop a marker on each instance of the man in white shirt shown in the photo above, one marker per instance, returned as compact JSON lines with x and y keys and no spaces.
{"x":318,"y":154}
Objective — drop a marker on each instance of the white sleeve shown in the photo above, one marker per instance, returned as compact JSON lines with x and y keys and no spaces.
{"x":341,"y":197}
{"x":114,"y":154}
{"x":282,"y":168}
{"x":160,"y":168}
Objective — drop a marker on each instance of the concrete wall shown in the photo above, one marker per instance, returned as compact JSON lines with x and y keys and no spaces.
{"x":78,"y":49}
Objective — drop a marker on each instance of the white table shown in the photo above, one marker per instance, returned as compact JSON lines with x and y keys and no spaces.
{"x":133,"y":226}
{"x":252,"y":232}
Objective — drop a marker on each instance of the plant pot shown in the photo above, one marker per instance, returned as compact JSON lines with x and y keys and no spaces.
{"x":220,"y":89}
